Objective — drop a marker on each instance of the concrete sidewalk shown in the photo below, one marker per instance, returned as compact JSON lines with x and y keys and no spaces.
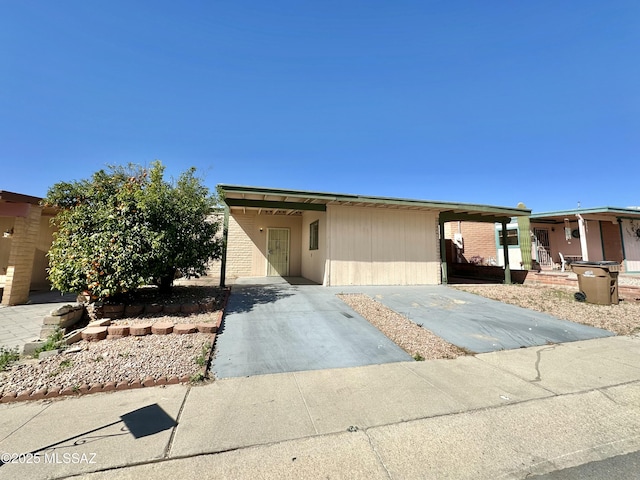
{"x":505,"y":414}
{"x":21,"y":324}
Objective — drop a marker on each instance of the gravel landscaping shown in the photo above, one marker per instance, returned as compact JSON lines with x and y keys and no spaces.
{"x":123,"y":360}
{"x":126,"y":360}
{"x":163,"y":357}
{"x":622,"y":319}
{"x":418,"y":342}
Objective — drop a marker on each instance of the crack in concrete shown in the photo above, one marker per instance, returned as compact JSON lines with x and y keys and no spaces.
{"x":29,"y":420}
{"x":538,"y":359}
{"x":304,"y":400}
{"x":377,"y":454}
{"x":167,"y":450}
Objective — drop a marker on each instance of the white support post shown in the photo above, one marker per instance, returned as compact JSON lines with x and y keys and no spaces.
{"x":583,"y":238}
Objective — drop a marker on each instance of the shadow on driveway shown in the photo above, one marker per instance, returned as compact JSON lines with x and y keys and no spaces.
{"x":285,"y":326}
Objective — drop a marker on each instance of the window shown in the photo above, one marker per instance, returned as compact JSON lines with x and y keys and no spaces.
{"x":313,"y":235}
{"x":512,"y":237}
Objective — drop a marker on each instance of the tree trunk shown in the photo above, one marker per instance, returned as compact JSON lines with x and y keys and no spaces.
{"x":165,"y":283}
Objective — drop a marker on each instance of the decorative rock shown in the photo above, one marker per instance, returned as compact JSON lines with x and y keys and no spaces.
{"x":48,"y":353}
{"x":53,"y":392}
{"x":190,"y":308}
{"x":109,"y":387}
{"x":207,"y":327}
{"x":69,"y":351}
{"x":140,"y":329}
{"x":38,"y":394}
{"x":24,"y":395}
{"x":208,"y":306}
{"x":8,"y":397}
{"x":153,"y":308}
{"x":93,"y":334}
{"x":173,"y":308}
{"x":162,"y":328}
{"x":183,"y":328}
{"x":31,"y":347}
{"x":63,"y":310}
{"x":103,"y":322}
{"x":113,"y":310}
{"x":67,"y":391}
{"x":133,"y":310}
{"x":96,"y":387}
{"x":121,"y":330}
{"x":73,"y":337}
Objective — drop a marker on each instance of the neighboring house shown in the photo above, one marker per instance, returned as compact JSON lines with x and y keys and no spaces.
{"x":593,"y":234}
{"x":472,"y":242}
{"x":338,"y":239}
{"x":26,"y":235}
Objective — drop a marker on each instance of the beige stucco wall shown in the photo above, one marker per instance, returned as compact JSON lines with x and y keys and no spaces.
{"x":375,"y":246}
{"x":247,"y":245}
{"x":313,"y":261}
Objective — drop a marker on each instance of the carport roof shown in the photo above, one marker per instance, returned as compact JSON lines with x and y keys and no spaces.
{"x":295,"y":201}
{"x":599,"y":213}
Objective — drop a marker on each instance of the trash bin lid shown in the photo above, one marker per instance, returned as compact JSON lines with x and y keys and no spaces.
{"x":601,"y":263}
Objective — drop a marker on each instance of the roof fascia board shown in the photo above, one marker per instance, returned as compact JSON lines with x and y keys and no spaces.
{"x":331,"y":197}
{"x":269,"y":204}
{"x":19,"y":198}
{"x":587,"y":211}
{"x":452,"y":216}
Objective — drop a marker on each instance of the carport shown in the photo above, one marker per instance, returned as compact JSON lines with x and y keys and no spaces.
{"x":343,"y":239}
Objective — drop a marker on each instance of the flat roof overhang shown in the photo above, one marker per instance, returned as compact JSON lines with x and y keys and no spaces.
{"x":294,"y":202}
{"x":605,"y":214}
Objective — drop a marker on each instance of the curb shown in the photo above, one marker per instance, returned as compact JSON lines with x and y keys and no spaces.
{"x":45,"y":394}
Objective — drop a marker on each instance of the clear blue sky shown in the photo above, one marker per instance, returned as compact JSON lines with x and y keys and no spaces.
{"x":473,"y":101}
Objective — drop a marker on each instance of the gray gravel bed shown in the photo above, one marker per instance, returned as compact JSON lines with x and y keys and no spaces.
{"x":123,"y":360}
{"x":413,"y":339}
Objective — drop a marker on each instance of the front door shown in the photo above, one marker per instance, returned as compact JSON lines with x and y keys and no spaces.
{"x":277,"y":252}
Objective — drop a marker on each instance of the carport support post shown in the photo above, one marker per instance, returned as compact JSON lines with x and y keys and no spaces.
{"x":505,"y":249}
{"x":443,"y":254}
{"x":225,"y":237}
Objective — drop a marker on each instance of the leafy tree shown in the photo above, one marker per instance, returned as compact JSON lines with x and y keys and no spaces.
{"x":127,"y":227}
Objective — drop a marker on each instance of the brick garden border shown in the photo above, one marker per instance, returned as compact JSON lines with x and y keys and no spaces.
{"x":43,"y":394}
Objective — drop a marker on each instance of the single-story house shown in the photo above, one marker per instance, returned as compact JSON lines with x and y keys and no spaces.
{"x":342,"y":239}
{"x":26,"y":235}
{"x":593,"y":234}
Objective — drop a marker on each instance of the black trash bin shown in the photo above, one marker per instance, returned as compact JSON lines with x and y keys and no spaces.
{"x":597,"y":281}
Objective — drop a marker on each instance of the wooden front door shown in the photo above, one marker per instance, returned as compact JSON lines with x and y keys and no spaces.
{"x":277,"y":252}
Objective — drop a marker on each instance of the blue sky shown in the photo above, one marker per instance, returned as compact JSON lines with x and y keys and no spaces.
{"x":479,"y":102}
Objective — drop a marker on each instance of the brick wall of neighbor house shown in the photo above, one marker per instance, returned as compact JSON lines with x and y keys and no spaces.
{"x":479,"y":238}
{"x":20,"y":264}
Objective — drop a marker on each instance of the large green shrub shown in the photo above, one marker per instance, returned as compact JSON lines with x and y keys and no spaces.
{"x":127,"y":226}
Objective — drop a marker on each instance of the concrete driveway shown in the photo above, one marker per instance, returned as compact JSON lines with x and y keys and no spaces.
{"x":272,"y":326}
{"x":474,"y":322}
